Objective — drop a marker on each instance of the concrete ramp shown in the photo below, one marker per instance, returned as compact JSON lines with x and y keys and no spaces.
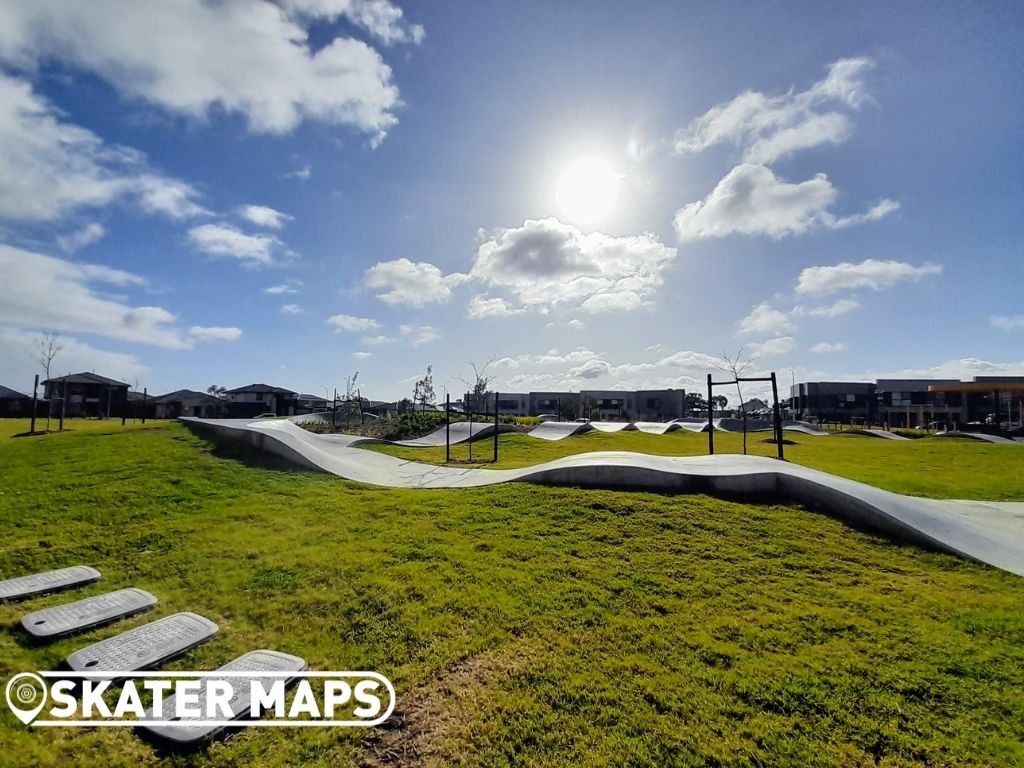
{"x":988,"y":532}
{"x":558,"y":430}
{"x":874,"y":433}
{"x":979,"y":436}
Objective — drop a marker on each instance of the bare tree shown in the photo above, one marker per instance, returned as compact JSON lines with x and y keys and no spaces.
{"x":46,"y":348}
{"x":477,"y":389}
{"x":736,"y":365}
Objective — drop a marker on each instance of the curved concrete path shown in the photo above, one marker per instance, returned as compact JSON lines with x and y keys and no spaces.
{"x":989,"y":532}
{"x":981,"y":436}
{"x":874,"y":433}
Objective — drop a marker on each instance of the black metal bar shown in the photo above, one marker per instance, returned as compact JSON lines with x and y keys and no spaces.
{"x":35,"y":394}
{"x":63,"y":400}
{"x":778,"y":417}
{"x":145,"y":395}
{"x":447,"y":427}
{"x":711,"y":419}
{"x":495,"y":427}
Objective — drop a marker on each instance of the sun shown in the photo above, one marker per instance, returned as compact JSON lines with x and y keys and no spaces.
{"x":587,"y":190}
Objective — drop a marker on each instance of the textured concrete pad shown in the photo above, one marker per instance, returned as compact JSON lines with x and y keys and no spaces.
{"x":190,"y":736}
{"x":34,"y":584}
{"x":147,"y":646}
{"x":85,"y":614}
{"x":981,"y":537}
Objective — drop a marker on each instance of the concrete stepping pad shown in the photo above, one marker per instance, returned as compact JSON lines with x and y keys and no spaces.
{"x":35,"y":584}
{"x":147,"y":646}
{"x":184,"y":736}
{"x":89,"y":613}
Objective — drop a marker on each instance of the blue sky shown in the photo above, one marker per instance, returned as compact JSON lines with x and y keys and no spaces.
{"x":596,"y":195}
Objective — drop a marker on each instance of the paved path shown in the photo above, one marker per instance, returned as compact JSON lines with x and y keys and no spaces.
{"x":989,"y":532}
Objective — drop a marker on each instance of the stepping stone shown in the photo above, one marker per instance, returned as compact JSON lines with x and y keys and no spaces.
{"x":85,"y":614}
{"x":49,"y":581}
{"x":184,"y":736}
{"x":147,"y":646}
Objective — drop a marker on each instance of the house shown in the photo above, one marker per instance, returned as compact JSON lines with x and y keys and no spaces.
{"x":88,"y":394}
{"x":312,"y":404}
{"x":659,"y":404}
{"x":255,"y":399}
{"x":13,"y":404}
{"x":187,"y":402}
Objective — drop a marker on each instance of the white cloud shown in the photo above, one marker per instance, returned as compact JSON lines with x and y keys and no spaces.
{"x":763,"y":320}
{"x":423,"y":334}
{"x":490,"y":306}
{"x":546,"y":263}
{"x":44,"y":292}
{"x":380,"y":18}
{"x":291,"y":309}
{"x":214,"y":333}
{"x":771,"y":127}
{"x":362,"y":355}
{"x":264,"y":216}
{"x":302,"y":174}
{"x":411,"y":283}
{"x":17,"y":368}
{"x":827,"y":347}
{"x":52,"y":168}
{"x":244,"y":58}
{"x":351,"y":323}
{"x":576,"y":324}
{"x":752,"y":200}
{"x":773,"y":347}
{"x":1007,"y":322}
{"x":288,"y":286}
{"x":840,"y":307}
{"x":377,"y":341}
{"x":80,"y":238}
{"x":592,"y":369}
{"x":870,"y":273}
{"x":226,"y":240}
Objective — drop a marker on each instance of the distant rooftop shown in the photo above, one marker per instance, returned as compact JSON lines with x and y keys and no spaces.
{"x":87,"y":378}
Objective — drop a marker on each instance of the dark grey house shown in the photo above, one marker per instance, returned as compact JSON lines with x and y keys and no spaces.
{"x":14,"y":404}
{"x":88,"y":394}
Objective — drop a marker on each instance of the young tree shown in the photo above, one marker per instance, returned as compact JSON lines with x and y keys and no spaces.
{"x":353,"y":403}
{"x":736,"y":366}
{"x":47,"y":347}
{"x":720,"y":401}
{"x":478,"y":385}
{"x":423,"y":389}
{"x":213,"y":389}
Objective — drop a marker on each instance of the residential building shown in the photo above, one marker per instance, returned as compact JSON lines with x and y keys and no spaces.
{"x":841,"y":401}
{"x":14,"y":404}
{"x":254,"y":399}
{"x":88,"y":394}
{"x":187,"y":402}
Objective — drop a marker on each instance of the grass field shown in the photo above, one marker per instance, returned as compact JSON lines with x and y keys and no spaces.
{"x":932,"y":467}
{"x":533,"y":626}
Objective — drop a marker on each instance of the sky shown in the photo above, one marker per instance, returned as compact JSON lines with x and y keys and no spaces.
{"x":589,"y":195}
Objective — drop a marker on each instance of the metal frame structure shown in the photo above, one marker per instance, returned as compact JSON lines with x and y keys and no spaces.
{"x":776,"y":412}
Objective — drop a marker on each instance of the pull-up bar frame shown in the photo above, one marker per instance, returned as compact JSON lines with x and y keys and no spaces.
{"x":776,"y":412}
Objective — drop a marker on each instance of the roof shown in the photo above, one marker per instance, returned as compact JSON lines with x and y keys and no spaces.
{"x":185,"y":394}
{"x":87,"y":378}
{"x":260,"y":389}
{"x":985,"y":387}
{"x":6,"y":393}
{"x":313,"y":397}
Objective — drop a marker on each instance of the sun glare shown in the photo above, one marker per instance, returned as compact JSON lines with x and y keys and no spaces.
{"x":587,"y":190}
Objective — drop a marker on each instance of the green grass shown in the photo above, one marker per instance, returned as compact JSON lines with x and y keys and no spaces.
{"x":932,"y":467}
{"x":521,"y":625}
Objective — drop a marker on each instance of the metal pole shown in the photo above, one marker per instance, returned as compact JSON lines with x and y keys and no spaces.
{"x":63,"y":400}
{"x":495,"y":427}
{"x":145,"y":395}
{"x":711,"y":420}
{"x":447,"y":427}
{"x":334,"y":410}
{"x":35,"y":395}
{"x":778,"y":416}
{"x":359,"y":398}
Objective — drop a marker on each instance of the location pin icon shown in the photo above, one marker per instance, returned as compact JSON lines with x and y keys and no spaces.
{"x":26,"y":696}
